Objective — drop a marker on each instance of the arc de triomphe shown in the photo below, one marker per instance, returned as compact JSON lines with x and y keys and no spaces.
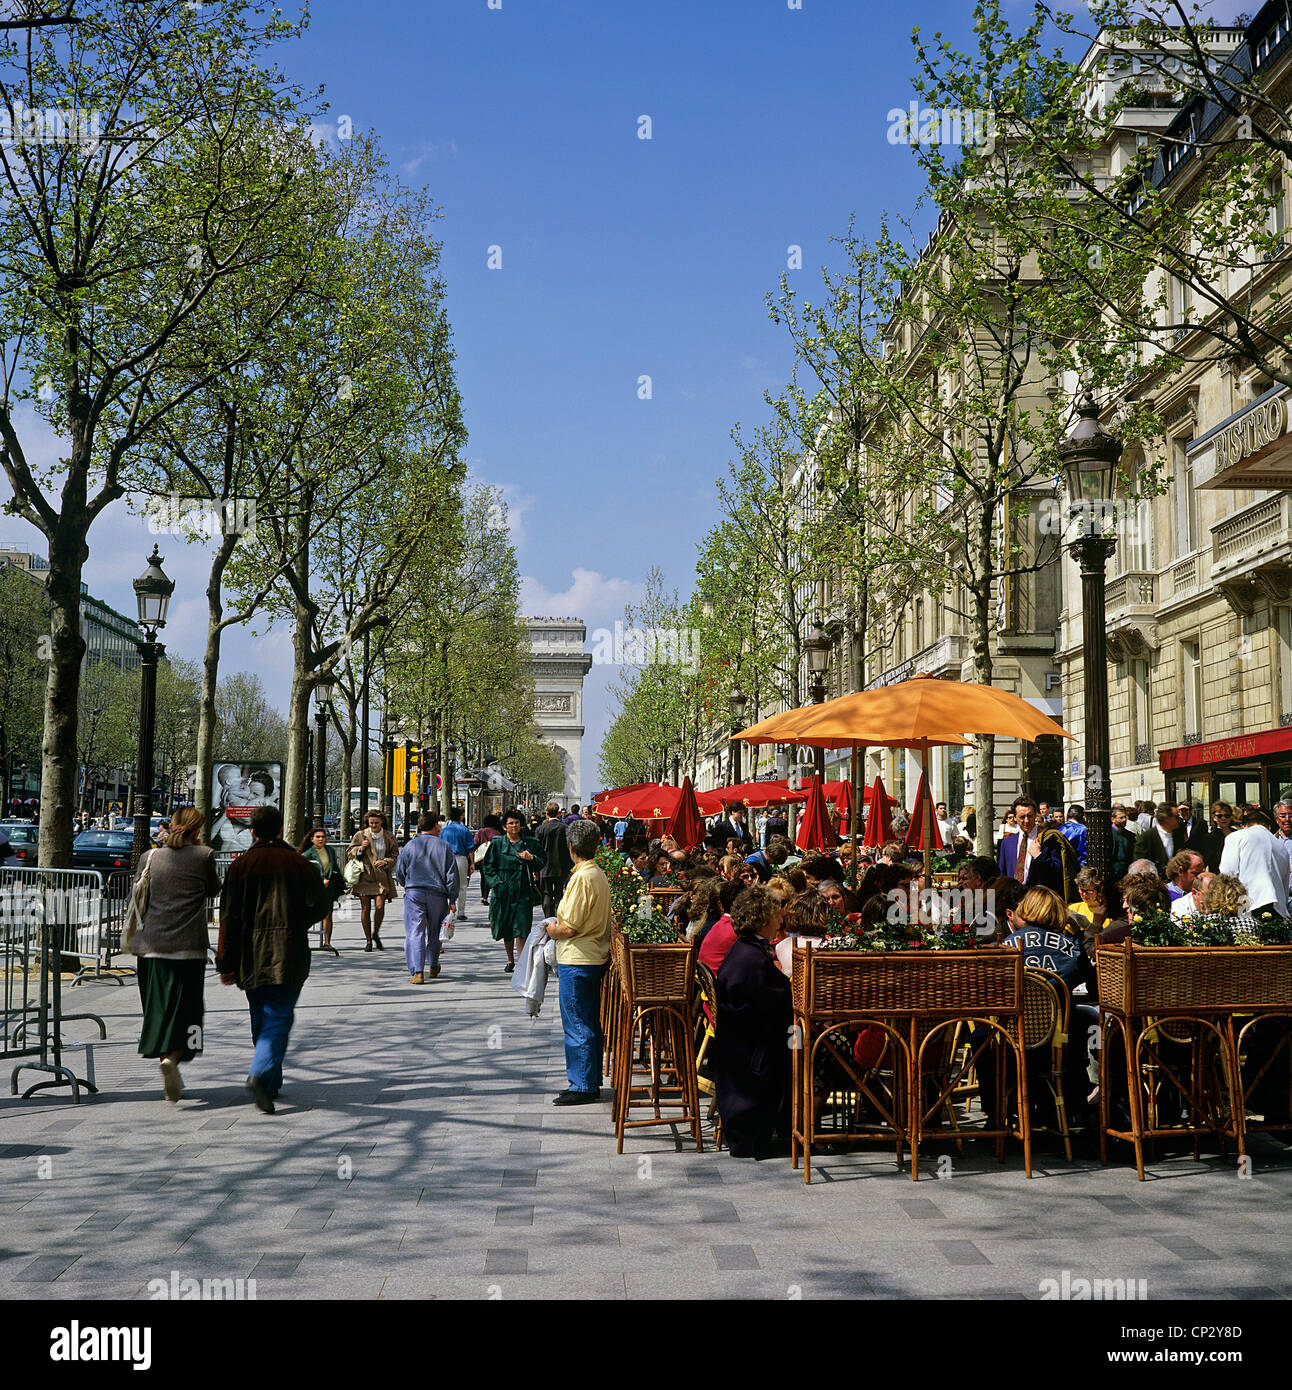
{"x":558,"y":665}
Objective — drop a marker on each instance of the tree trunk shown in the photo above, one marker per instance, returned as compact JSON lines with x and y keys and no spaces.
{"x":349,"y":741}
{"x":210,"y":680}
{"x":985,"y":782}
{"x":295,"y":792}
{"x":67,"y":555}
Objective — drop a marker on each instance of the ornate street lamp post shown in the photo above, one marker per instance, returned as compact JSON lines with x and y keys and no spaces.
{"x":736,"y":702}
{"x":322,"y":709}
{"x":1089,"y":456}
{"x":817,"y":646}
{"x":152,"y":595}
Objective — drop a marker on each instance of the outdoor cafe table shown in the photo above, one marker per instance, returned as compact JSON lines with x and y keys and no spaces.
{"x":1217,"y":996}
{"x":914,"y":997}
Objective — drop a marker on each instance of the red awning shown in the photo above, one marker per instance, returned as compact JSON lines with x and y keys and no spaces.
{"x":1226,"y":750}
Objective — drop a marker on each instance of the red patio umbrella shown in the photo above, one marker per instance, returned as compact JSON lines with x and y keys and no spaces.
{"x":815,"y":830}
{"x":650,"y":801}
{"x":686,"y":825}
{"x":712,"y":803}
{"x":879,"y":823}
{"x":915,"y":831}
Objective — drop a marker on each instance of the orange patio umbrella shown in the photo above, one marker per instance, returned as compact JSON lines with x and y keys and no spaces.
{"x":920,"y":713}
{"x":686,"y":825}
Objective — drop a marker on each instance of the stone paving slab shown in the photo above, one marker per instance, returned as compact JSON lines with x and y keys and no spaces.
{"x":415,"y":1154}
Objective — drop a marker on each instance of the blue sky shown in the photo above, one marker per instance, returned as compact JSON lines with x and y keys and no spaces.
{"x":621,"y":257}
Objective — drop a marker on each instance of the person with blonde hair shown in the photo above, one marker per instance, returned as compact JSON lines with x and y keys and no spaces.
{"x":1039,"y":925}
{"x":1225,"y":893}
{"x":171,"y":946}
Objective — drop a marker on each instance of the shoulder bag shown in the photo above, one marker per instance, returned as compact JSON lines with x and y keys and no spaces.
{"x":138,"y":906}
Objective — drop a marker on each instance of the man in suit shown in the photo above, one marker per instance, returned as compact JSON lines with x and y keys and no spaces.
{"x":1123,"y":843}
{"x":555,"y":874}
{"x":1038,"y":855}
{"x":1195,"y":829}
{"x":733,"y":825}
{"x":1165,"y":839}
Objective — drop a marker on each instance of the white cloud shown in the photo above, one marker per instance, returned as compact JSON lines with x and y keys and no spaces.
{"x":589,"y":595}
{"x":431,"y":150}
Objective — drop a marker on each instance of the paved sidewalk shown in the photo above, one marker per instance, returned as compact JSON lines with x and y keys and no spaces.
{"x":416,"y":1153}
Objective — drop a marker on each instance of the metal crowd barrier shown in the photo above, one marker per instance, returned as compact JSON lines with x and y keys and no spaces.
{"x":102,"y":939}
{"x":44,"y":915}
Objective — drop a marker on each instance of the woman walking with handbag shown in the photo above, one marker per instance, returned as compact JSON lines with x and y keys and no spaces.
{"x":175,"y":881}
{"x":374,"y":849}
{"x":314,"y":848}
{"x":508,"y":871}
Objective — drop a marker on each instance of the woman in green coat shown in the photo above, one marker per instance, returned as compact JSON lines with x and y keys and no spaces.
{"x":510,"y":863}
{"x":314,"y":848}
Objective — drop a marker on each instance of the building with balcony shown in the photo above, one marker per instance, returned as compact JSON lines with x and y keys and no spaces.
{"x":1199,"y":597}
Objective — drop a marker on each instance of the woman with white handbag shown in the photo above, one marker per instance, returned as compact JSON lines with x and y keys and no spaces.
{"x":166,"y":929}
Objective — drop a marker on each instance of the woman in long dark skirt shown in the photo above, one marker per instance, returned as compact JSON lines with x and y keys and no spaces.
{"x":751,"y":1045}
{"x":171,"y":946}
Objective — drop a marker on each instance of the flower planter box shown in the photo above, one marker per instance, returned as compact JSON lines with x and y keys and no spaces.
{"x":1139,"y":980}
{"x":654,"y":971}
{"x":836,"y":984}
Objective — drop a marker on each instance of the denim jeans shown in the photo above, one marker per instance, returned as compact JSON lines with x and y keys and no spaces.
{"x":579,"y":988}
{"x":272,"y":1010}
{"x":423,"y":913}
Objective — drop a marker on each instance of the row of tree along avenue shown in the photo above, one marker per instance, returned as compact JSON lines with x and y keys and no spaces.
{"x":1098,"y":233}
{"x":219,"y":314}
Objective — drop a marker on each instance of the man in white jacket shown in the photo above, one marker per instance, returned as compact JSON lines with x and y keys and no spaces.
{"x":1259,"y":860}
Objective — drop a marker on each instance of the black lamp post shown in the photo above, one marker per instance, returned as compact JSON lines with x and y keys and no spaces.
{"x":817,"y":646}
{"x":448,"y":793}
{"x":152,"y":595}
{"x":322,"y":709}
{"x":408,"y":783}
{"x":1089,"y":456}
{"x":736,"y":702}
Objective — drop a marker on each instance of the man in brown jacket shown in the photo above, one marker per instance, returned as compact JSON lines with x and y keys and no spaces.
{"x":271,"y":898}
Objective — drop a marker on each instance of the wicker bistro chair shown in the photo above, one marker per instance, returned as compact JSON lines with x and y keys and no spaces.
{"x":654,"y":1066}
{"x":664,"y":898}
{"x":611,"y":1004}
{"x":706,"y":992}
{"x":1151,"y":997}
{"x":1047,"y":1012}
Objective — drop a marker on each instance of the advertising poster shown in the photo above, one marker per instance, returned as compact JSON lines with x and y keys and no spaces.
{"x":237,"y":789}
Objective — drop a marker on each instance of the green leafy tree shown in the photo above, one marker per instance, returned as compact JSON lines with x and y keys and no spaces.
{"x":110,"y":241}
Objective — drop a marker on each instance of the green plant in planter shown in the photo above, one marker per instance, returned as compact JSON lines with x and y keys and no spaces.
{"x":1209,"y":929}
{"x":658,"y":931}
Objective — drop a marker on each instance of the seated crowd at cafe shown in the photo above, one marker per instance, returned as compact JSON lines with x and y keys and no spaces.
{"x":744,"y":905}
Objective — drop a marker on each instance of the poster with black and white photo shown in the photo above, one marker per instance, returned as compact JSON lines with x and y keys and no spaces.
{"x":237,"y":789}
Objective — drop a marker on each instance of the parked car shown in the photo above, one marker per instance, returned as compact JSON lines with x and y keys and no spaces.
{"x":108,"y":850}
{"x":23,"y":838}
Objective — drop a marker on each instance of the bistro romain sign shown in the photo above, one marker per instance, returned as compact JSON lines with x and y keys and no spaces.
{"x":1250,"y":449}
{"x":1262,"y":425}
